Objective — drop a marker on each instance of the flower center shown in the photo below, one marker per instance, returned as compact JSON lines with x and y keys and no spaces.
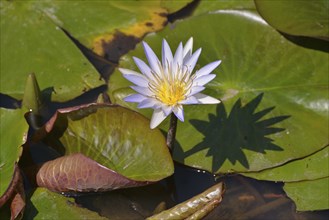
{"x":173,"y":93}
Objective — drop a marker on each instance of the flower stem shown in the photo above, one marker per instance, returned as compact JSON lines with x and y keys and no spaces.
{"x":171,"y":136}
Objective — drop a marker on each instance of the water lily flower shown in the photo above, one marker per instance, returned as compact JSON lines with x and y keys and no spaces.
{"x":168,"y":85}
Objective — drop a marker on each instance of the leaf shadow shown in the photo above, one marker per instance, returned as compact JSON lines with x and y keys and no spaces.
{"x":226,"y":135}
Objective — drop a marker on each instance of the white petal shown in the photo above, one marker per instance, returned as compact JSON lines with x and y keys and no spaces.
{"x":202,"y":80}
{"x":204,"y":99}
{"x":166,"y":109}
{"x":148,"y":103}
{"x":178,"y":58}
{"x":189,"y":100}
{"x":157,"y":117}
{"x":207,"y":68}
{"x":179,"y":112}
{"x":192,"y":61}
{"x":134,"y":77}
{"x":144,"y":68}
{"x":152,"y":58}
{"x":167,"y":56}
{"x":134,"y":98}
{"x":196,"y":89}
{"x":187,"y":51}
{"x":142,"y":90}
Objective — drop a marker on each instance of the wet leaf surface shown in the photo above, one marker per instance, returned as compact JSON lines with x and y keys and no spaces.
{"x":196,"y":207}
{"x":273,"y":94}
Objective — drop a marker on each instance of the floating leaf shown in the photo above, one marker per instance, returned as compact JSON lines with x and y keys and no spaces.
{"x":13,"y":135}
{"x":77,"y":172}
{"x":309,"y":195}
{"x":49,"y":205}
{"x":303,"y":18}
{"x":106,"y":134}
{"x":312,"y":167}
{"x":173,"y":6}
{"x":98,"y":24}
{"x":274,"y":94}
{"x":215,"y":5}
{"x":32,"y":43}
{"x":196,"y":207}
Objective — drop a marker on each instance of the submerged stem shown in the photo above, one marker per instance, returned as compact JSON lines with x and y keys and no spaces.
{"x":171,"y":136}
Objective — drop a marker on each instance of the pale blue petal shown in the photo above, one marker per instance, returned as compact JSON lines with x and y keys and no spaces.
{"x":166,"y":109}
{"x":134,"y":77}
{"x":167,"y":56}
{"x":157,"y":117}
{"x":179,"y":112}
{"x":142,"y":90}
{"x":148,"y":103}
{"x":204,"y":99}
{"x":190,"y":100}
{"x":152,"y":58}
{"x":207,"y":69}
{"x":144,"y":68}
{"x":190,"y":64}
{"x":134,"y":98}
{"x":202,"y":80}
{"x":196,"y":89}
{"x":187,"y":51}
{"x":178,"y":58}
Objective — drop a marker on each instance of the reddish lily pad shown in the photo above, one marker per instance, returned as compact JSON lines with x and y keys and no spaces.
{"x":77,"y":172}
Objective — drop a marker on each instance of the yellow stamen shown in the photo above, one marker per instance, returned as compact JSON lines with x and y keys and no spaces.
{"x":171,"y":93}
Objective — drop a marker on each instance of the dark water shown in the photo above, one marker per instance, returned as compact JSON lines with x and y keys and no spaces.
{"x":244,"y":198}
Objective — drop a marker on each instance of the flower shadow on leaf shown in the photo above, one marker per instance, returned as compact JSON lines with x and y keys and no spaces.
{"x":226,"y":135}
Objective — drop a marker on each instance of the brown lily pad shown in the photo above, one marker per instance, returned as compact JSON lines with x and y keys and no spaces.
{"x":77,"y":172}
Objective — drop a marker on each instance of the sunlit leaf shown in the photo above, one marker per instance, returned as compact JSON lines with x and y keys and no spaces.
{"x":215,"y":5}
{"x":309,"y":195}
{"x":32,"y":43}
{"x":98,"y":24}
{"x":274,"y":94}
{"x":303,"y":18}
{"x":115,"y":137}
{"x":312,"y":167}
{"x":13,"y":135}
{"x":49,"y":205}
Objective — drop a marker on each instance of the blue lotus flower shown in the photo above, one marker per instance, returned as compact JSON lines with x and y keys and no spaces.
{"x":168,"y":85}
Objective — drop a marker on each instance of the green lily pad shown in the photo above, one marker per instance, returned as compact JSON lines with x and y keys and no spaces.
{"x":116,"y":138}
{"x":13,"y":134}
{"x":215,"y":5}
{"x":33,"y":43}
{"x":304,"y":18}
{"x":312,"y":167}
{"x":274,"y":94}
{"x":49,"y":205}
{"x":174,"y":6}
{"x":309,"y":195}
{"x":97,"y":24}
